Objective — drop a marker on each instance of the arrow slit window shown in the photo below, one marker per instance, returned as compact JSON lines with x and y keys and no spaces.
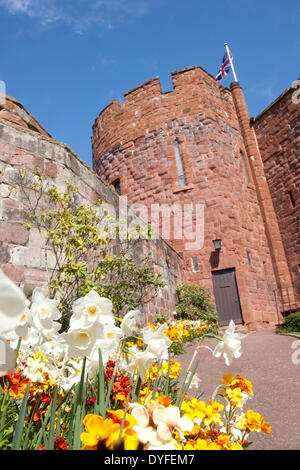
{"x":179,"y":164}
{"x":245,"y":168}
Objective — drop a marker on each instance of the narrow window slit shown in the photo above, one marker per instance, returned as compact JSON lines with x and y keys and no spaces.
{"x":179,"y":163}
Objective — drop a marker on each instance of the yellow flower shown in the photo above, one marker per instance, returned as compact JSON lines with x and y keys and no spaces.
{"x":236,"y":446}
{"x":212,"y":414}
{"x":194,"y":408}
{"x":234,"y":396}
{"x":227,"y":378}
{"x":108,"y":431}
{"x":130,"y":440}
{"x":239,"y":382}
{"x":174,"y":369}
{"x":117,"y":417}
{"x":97,"y":429}
{"x":224,"y":441}
{"x":113,"y":437}
{"x":202,"y":444}
{"x":266,"y":427}
{"x":256,"y":422}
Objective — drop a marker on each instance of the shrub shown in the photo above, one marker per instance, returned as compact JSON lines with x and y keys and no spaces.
{"x":291,"y":324}
{"x":88,"y":251}
{"x":194,"y":303}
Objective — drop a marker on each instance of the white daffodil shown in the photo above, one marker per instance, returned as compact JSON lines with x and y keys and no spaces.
{"x":12,"y":304}
{"x":149,"y":436}
{"x":155,"y":424}
{"x":44,"y":312}
{"x":169,"y":446}
{"x":128,"y":325}
{"x":142,"y":360}
{"x":67,"y":382}
{"x":23,"y":324}
{"x":7,"y":357}
{"x":81,"y":339}
{"x":230,"y":345}
{"x":92,"y":308}
{"x":158,"y":343}
{"x":111,"y":333}
{"x":35,"y":368}
{"x":169,"y":418}
{"x":55,"y":349}
{"x":140,"y":413}
{"x":109,"y":340}
{"x":32,"y":339}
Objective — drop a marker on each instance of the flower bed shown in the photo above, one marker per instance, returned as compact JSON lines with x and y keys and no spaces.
{"x":184,"y":331}
{"x":100,"y":386}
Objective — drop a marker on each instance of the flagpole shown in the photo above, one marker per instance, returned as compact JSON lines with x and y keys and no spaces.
{"x":231,"y":63}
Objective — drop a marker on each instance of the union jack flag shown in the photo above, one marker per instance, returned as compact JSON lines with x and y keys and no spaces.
{"x":225,"y":67}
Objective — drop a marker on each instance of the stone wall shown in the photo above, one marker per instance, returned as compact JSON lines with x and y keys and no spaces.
{"x":134,"y":142}
{"x":278,"y":134}
{"x":23,"y":256}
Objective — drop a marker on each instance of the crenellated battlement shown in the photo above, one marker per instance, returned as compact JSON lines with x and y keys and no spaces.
{"x":181,"y":79}
{"x":146,"y":106}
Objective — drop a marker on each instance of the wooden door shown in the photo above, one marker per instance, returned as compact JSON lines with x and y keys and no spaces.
{"x":227,"y":297}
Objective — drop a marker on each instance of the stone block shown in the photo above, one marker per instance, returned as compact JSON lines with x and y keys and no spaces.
{"x":4,"y":253}
{"x":51,"y":169}
{"x":13,"y":233}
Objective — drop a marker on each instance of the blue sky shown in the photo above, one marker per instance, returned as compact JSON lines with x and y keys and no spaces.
{"x":65,"y":60}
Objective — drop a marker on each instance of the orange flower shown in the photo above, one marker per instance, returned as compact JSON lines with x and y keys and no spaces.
{"x":163,"y":400}
{"x":60,"y":444}
{"x":266,"y":427}
{"x":117,"y":417}
{"x":17,"y":386}
{"x":105,"y":432}
{"x":256,"y":422}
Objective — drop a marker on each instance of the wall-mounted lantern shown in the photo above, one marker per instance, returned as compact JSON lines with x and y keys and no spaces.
{"x":217,"y":244}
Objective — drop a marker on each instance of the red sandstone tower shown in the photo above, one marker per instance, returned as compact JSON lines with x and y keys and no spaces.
{"x":189,"y":148}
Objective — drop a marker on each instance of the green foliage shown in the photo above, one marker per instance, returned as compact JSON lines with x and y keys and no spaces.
{"x":291,"y":324}
{"x":194,"y":303}
{"x":161,"y":319}
{"x":177,"y":349}
{"x":89,"y":252}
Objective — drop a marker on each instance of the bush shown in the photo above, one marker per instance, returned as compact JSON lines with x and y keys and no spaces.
{"x":194,"y":303}
{"x":88,"y":252}
{"x":291,"y":324}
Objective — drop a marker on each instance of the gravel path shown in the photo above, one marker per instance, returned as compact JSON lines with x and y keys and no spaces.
{"x":267,"y":361}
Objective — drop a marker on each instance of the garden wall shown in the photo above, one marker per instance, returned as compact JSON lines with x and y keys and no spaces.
{"x":23,"y":256}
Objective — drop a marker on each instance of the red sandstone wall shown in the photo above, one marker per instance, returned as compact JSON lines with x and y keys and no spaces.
{"x":13,"y":111}
{"x":135,"y":142}
{"x":23,"y":255}
{"x":278,"y":135}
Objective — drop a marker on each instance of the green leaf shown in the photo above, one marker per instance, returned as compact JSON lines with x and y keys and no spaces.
{"x":16,"y":443}
{"x":123,"y":423}
{"x":51,"y":437}
{"x":101,"y":389}
{"x":185,"y":384}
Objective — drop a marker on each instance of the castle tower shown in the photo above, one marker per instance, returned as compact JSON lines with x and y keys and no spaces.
{"x":186,"y":150}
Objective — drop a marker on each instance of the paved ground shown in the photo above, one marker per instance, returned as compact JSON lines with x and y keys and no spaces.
{"x":267,"y":362}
